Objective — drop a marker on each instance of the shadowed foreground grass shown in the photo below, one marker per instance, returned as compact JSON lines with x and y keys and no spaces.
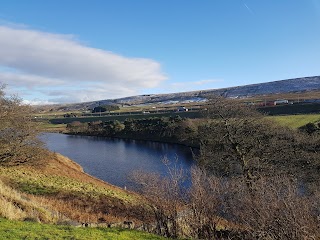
{"x":31,"y":230}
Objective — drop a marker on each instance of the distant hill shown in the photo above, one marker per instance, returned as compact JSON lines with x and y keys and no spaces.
{"x":296,"y":85}
{"x":283,"y":86}
{"x":276,"y":87}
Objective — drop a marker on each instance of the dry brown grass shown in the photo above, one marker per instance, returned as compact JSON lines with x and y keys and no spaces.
{"x":18,"y":206}
{"x":60,"y":185}
{"x":7,"y":198}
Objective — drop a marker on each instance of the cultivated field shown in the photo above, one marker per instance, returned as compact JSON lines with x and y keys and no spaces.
{"x":296,"y":121}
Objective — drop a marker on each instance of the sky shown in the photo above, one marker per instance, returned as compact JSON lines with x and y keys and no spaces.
{"x":67,"y":51}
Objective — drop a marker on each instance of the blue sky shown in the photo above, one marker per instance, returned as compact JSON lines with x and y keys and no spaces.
{"x":60,"y":51}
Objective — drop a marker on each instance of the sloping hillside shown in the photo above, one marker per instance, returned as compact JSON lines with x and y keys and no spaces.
{"x":283,"y":86}
{"x":304,"y":84}
{"x":57,"y":190}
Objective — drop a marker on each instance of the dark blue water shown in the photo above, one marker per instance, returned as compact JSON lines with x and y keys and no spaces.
{"x":112,"y":160}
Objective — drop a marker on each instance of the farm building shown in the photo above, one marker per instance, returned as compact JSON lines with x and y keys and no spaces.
{"x":281,"y":101}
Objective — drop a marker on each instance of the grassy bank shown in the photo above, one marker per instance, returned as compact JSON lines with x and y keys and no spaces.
{"x":47,"y":199}
{"x":57,"y":190}
{"x":31,"y":230}
{"x":49,"y":127}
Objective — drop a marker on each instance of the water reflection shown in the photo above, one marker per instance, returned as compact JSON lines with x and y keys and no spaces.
{"x":113,"y":159}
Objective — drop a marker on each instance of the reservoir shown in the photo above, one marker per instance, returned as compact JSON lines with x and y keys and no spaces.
{"x":112,"y":160}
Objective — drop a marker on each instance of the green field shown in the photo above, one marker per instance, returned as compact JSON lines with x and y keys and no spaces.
{"x":290,"y":109}
{"x":296,"y":121}
{"x":31,"y":230}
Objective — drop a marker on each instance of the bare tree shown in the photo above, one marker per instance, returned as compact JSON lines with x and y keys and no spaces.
{"x":18,"y":133}
{"x":224,"y":208}
{"x":76,"y":127}
{"x":237,"y":140}
{"x":166,"y":196}
{"x":278,"y":210}
{"x":205,"y":205}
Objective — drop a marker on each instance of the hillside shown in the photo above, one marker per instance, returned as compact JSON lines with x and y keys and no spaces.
{"x":276,"y":87}
{"x":57,"y":190}
{"x":297,"y":85}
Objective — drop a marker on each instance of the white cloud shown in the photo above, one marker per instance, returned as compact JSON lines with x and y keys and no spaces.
{"x":37,"y":102}
{"x":37,"y":60}
{"x":28,"y":80}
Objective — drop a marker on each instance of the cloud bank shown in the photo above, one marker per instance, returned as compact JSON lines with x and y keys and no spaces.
{"x":61,"y":68}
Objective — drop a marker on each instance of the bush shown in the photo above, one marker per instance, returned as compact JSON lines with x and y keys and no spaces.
{"x":105,"y":108}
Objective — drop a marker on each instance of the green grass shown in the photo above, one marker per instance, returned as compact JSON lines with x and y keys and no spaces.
{"x":35,"y":183}
{"x":35,"y":188}
{"x":31,"y":230}
{"x":295,"y":121}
